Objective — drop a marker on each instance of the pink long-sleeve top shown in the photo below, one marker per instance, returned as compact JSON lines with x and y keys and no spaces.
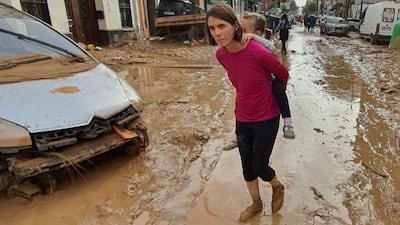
{"x":250,"y":71}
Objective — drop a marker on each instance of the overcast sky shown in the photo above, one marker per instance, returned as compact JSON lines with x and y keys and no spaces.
{"x":300,"y":3}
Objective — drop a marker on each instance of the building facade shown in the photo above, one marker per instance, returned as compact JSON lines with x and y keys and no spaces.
{"x":100,"y":22}
{"x":103,"y":22}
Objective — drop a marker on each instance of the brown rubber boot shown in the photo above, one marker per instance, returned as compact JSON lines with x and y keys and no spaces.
{"x":278,"y":193}
{"x":250,"y":211}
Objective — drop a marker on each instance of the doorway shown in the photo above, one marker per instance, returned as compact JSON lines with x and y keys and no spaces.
{"x":83,"y":21}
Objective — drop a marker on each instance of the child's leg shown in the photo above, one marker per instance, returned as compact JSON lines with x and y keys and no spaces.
{"x":281,"y":97}
{"x":283,"y":103}
{"x":233,"y":144}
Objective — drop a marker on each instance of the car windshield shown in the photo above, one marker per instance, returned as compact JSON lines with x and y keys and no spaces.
{"x":21,"y":35}
{"x":335,"y":20}
{"x":31,"y":50}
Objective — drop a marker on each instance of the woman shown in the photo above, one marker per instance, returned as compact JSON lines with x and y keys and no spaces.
{"x":283,"y":28}
{"x":249,"y":68}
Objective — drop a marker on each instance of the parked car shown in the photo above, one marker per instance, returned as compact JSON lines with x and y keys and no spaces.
{"x":353,"y":23}
{"x":378,"y":21}
{"x":177,"y":7}
{"x":332,"y":25}
{"x":59,"y":106}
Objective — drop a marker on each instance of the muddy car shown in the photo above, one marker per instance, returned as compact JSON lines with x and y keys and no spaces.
{"x":59,"y":106}
{"x":177,"y":8}
{"x":332,"y":25}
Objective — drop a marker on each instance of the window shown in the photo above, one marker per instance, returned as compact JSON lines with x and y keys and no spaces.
{"x":125,"y":10}
{"x":398,"y":14}
{"x":37,"y":8}
{"x":69,"y":16}
{"x":388,"y":15}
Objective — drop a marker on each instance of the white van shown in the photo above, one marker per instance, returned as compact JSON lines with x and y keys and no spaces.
{"x":378,"y":22}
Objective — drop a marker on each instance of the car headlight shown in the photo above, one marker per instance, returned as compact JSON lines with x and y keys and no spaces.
{"x":133,"y":96}
{"x":13,"y":137}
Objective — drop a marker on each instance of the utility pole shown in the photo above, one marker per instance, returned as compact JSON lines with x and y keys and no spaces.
{"x":361,"y":9}
{"x":317,"y":8}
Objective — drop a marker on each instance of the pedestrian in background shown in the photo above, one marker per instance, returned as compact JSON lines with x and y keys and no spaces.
{"x":249,"y":68}
{"x":306,"y":21}
{"x":312,"y":22}
{"x":283,"y":28}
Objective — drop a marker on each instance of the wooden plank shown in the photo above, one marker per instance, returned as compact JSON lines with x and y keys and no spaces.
{"x":180,"y":20}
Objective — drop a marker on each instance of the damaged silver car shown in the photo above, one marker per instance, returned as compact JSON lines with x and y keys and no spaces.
{"x":332,"y":25}
{"x":59,"y":106}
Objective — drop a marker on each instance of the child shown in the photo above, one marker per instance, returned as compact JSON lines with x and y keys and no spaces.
{"x":253,"y":26}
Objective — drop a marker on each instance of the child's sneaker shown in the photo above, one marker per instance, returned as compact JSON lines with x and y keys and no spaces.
{"x":230,"y":146}
{"x":288,"y":132}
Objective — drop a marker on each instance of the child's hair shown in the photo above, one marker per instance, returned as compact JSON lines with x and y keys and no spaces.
{"x":259,"y":21}
{"x":224,"y":12}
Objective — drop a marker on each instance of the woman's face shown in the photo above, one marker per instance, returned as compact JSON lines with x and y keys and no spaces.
{"x":221,"y":31}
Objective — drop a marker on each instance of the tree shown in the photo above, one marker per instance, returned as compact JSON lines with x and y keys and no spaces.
{"x":293,"y":7}
{"x":310,"y":7}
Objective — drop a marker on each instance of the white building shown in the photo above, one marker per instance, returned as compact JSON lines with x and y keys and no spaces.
{"x":91,"y":21}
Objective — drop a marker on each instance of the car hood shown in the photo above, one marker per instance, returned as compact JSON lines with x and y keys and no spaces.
{"x":54,"y":104}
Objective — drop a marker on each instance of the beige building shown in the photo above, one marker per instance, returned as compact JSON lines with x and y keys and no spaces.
{"x":91,"y":21}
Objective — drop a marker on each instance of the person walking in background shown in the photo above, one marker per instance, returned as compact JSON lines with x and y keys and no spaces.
{"x":283,"y":28}
{"x":249,"y":68}
{"x":306,"y":22}
{"x":312,"y":22}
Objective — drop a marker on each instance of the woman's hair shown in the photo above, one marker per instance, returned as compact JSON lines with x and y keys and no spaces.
{"x":259,"y":21}
{"x":224,"y":12}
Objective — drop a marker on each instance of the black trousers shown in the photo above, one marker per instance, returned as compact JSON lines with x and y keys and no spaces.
{"x":256,"y":141}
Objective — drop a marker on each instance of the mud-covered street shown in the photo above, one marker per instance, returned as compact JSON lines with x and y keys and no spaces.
{"x":342,"y":168}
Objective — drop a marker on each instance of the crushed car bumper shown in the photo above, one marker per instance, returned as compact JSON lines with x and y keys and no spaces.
{"x":22,"y":168}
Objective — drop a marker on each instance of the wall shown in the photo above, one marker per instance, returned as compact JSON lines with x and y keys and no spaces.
{"x":57,"y":11}
{"x":110,"y":26}
{"x":112,"y":17}
{"x":15,"y":3}
{"x":58,"y":16}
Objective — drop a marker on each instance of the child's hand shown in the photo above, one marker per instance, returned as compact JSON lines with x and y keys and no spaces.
{"x":246,"y":37}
